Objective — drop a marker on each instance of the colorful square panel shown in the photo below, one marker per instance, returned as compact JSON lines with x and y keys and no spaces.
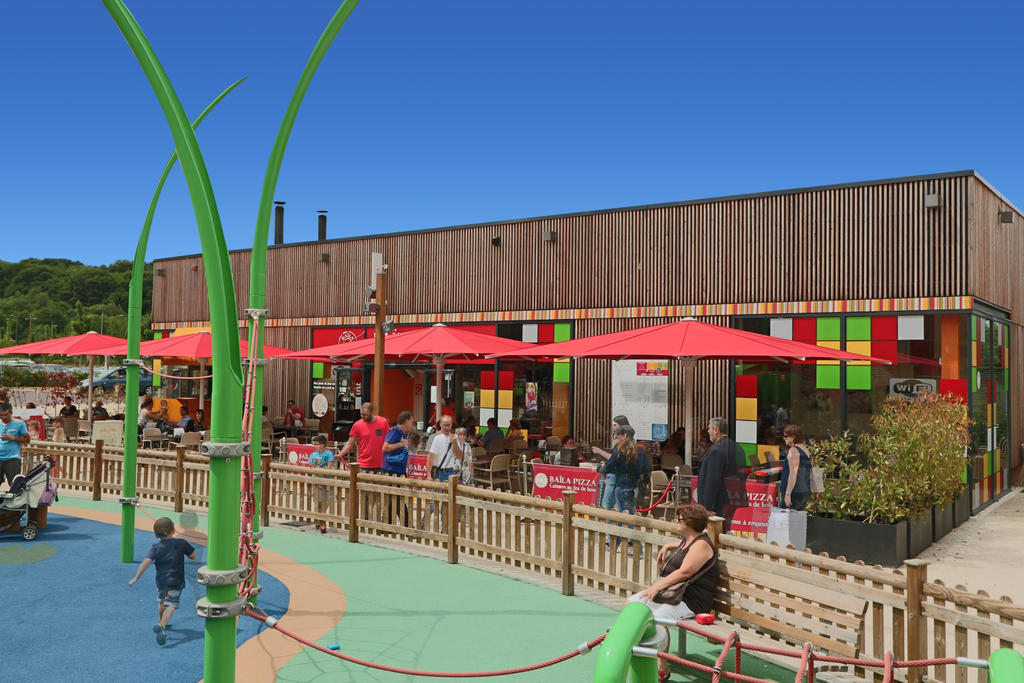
{"x":910,"y":327}
{"x":781,"y":328}
{"x":746,"y":409}
{"x":858,"y":378}
{"x":884,"y":328}
{"x":746,"y":431}
{"x":828,"y":329}
{"x":957,"y":387}
{"x":767,"y":452}
{"x":829,"y":345}
{"x":861,"y":347}
{"x":746,"y":386}
{"x":505,"y":400}
{"x":828,"y":377}
{"x":563,"y":331}
{"x":858,"y":328}
{"x":318,"y":370}
{"x":560,"y":372}
{"x":886,"y":350}
{"x":487,"y":380}
{"x":486,"y":398}
{"x":805,"y":329}
{"x":749,"y":451}
{"x":545,"y":333}
{"x":505,"y":378}
{"x":504,"y":417}
{"x":530,"y":334}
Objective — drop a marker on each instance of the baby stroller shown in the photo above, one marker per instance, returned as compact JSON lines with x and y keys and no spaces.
{"x":28,"y":491}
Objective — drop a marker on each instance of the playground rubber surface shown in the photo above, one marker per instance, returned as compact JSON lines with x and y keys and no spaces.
{"x":377,"y":603}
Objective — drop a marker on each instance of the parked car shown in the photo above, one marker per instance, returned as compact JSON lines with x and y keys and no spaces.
{"x":113,"y":380}
{"x":51,"y":368}
{"x":17,"y":362}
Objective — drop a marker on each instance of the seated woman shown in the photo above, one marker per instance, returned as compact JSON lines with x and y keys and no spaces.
{"x":149,"y":417}
{"x":691,"y":562}
{"x":198,"y":423}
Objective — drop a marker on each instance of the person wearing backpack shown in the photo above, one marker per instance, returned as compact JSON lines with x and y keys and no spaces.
{"x":396,"y":445}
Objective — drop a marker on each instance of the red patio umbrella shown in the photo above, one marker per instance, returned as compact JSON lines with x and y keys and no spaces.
{"x":90,"y":344}
{"x":197,"y":345}
{"x":437,"y":343}
{"x":688,"y":340}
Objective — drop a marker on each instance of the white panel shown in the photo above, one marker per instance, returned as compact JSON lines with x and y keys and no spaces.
{"x":910,"y":327}
{"x":530,"y":334}
{"x":746,"y":431}
{"x":504,"y":417}
{"x":991,"y":438}
{"x":782,"y":328}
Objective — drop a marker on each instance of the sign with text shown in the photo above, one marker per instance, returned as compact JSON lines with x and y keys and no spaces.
{"x":298,"y":453}
{"x":549,"y":481}
{"x":640,"y":392}
{"x":750,"y":504}
{"x":418,"y":466}
{"x":910,"y":387}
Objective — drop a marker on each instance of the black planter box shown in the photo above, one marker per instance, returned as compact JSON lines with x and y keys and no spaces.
{"x":919,"y":534}
{"x":962,"y":508}
{"x":884,"y":544}
{"x":942,"y":521}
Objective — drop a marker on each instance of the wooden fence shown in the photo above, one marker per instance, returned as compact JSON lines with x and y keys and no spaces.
{"x":576,"y":545}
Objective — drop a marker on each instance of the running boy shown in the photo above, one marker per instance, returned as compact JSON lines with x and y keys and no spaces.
{"x":169,"y":554}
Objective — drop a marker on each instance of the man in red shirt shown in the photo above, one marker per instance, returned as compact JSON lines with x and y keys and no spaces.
{"x":367,"y":434}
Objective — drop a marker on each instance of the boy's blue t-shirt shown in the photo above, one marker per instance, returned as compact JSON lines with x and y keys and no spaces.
{"x":321,"y":459}
{"x":395,"y":461}
{"x":11,"y":450}
{"x":168,"y":554}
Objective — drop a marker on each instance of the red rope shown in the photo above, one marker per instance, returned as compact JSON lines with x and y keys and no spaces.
{"x":710,"y":670}
{"x":887,"y":678}
{"x":722,"y":655}
{"x":161,"y":374}
{"x":436,"y":674}
{"x":660,"y":500}
{"x":805,"y":658}
{"x":248,"y":548}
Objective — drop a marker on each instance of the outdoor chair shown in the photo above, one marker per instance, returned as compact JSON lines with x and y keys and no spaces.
{"x":659,"y":482}
{"x":153,"y":438}
{"x":497,"y":446}
{"x":669,"y":461}
{"x":191,"y":441}
{"x":496,"y":473}
{"x":71,"y":428}
{"x":84,"y":431}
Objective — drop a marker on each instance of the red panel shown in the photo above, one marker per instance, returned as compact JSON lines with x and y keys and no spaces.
{"x":884,"y":328}
{"x":487,"y":381}
{"x":546,"y":333}
{"x":505,"y":380}
{"x":746,"y":386}
{"x":887,"y":350}
{"x":805,"y":329}
{"x":991,"y":390}
{"x":957,"y":387}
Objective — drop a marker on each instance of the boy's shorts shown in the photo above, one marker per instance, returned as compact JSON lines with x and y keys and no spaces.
{"x":170,"y":597}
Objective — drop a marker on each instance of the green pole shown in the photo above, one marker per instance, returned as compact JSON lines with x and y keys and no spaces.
{"x":258,"y":264}
{"x":226,"y":412}
{"x":615,"y":659}
{"x":1006,"y":666}
{"x":131,"y":408}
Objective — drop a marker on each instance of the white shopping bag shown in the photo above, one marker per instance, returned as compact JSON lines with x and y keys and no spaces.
{"x":787,"y":527}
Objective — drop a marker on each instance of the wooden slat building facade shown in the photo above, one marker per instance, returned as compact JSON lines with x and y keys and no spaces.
{"x":884,"y":245}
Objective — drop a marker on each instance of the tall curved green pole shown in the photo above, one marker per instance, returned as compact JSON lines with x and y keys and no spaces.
{"x":258,"y":264}
{"x":615,"y":659}
{"x":226,"y":412}
{"x":131,"y":408}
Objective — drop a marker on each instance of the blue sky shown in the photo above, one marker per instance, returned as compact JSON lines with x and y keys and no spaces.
{"x":432,"y":114}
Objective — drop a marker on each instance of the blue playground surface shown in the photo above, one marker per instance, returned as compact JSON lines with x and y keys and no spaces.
{"x":70,"y":615}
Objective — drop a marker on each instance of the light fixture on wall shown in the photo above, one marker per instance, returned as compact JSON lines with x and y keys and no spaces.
{"x":1006,"y":216}
{"x":159,"y":272}
{"x":932,"y":201}
{"x":550,"y":235}
{"x":496,"y":241}
{"x":325,"y":257}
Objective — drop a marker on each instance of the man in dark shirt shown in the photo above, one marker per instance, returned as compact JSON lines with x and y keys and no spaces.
{"x":718,"y":463}
{"x":492,"y":434}
{"x":69,"y":409}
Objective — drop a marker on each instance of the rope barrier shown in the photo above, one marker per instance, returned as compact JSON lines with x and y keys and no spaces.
{"x":714,"y":671}
{"x":248,"y":548}
{"x":664,"y":494}
{"x":151,"y":371}
{"x":582,"y":649}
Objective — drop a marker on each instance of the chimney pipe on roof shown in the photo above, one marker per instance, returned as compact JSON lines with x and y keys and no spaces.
{"x":279,"y":222}
{"x":321,"y":226}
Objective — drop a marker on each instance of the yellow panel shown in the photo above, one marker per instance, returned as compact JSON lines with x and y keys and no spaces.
{"x":486,"y":398}
{"x":991,"y":414}
{"x":505,"y":399}
{"x":766,"y":453}
{"x":861,"y":347}
{"x":828,"y":345}
{"x":746,"y":409}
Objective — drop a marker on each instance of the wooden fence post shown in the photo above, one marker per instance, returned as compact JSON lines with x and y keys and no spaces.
{"x":97,"y":470}
{"x":453,"y":519}
{"x":568,"y":543}
{"x":715,"y":530}
{"x":179,"y":478}
{"x":917,"y":625}
{"x":353,"y":503}
{"x":265,"y":491}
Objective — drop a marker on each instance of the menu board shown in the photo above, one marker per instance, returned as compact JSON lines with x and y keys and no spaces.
{"x":640,"y":392}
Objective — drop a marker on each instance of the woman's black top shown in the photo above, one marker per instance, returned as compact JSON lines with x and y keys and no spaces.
{"x":700,"y":594}
{"x":803,"y":474}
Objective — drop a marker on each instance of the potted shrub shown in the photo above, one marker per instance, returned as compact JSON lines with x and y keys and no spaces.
{"x":911,"y":461}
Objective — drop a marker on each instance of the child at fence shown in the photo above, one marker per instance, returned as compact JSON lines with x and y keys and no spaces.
{"x":321,"y":457}
{"x":168,"y":554}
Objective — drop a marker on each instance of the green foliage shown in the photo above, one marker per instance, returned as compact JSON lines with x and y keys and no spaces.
{"x":66,"y":297}
{"x":913,"y":458}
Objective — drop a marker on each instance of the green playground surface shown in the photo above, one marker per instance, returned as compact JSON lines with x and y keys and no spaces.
{"x":419,"y":612}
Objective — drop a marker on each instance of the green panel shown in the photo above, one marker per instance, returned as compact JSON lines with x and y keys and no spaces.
{"x":828,"y":329}
{"x":318,"y":370}
{"x":858,"y":329}
{"x":1006,"y":377}
{"x":993,"y":462}
{"x":749,"y":448}
{"x":561,"y":372}
{"x":974,"y":328}
{"x":963,"y":476}
{"x":563,"y":332}
{"x":858,"y":377}
{"x":828,"y":377}
{"x":974,"y":379}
